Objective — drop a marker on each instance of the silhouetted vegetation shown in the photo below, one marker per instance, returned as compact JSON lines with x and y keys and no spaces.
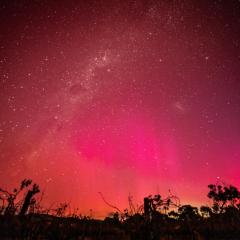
{"x":22,"y":217}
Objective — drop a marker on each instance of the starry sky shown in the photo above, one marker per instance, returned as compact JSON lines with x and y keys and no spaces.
{"x":119,"y":97}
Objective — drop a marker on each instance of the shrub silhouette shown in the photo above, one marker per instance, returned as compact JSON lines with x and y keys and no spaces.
{"x":206,"y":211}
{"x":188,"y":213}
{"x":157,"y":218}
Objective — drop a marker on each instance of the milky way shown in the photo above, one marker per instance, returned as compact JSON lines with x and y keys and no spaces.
{"x":119,"y":97}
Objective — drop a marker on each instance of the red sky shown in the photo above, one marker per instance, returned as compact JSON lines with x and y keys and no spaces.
{"x":119,"y":97}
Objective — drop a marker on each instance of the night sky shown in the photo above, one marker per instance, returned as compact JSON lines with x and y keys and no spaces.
{"x":119,"y":97}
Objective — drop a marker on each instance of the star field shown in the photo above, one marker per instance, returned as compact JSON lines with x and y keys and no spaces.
{"x":119,"y":97}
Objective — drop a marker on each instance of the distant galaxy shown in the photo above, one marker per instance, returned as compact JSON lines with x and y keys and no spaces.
{"x":124,"y":98}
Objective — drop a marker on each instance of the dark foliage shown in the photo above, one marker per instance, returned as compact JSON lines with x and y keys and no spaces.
{"x":158,"y":218}
{"x":222,"y":196}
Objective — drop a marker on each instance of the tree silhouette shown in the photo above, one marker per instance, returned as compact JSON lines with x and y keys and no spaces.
{"x":223,"y":196}
{"x":29,"y":199}
{"x":154,"y":219}
{"x":10,"y":198}
{"x":154,"y":204}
